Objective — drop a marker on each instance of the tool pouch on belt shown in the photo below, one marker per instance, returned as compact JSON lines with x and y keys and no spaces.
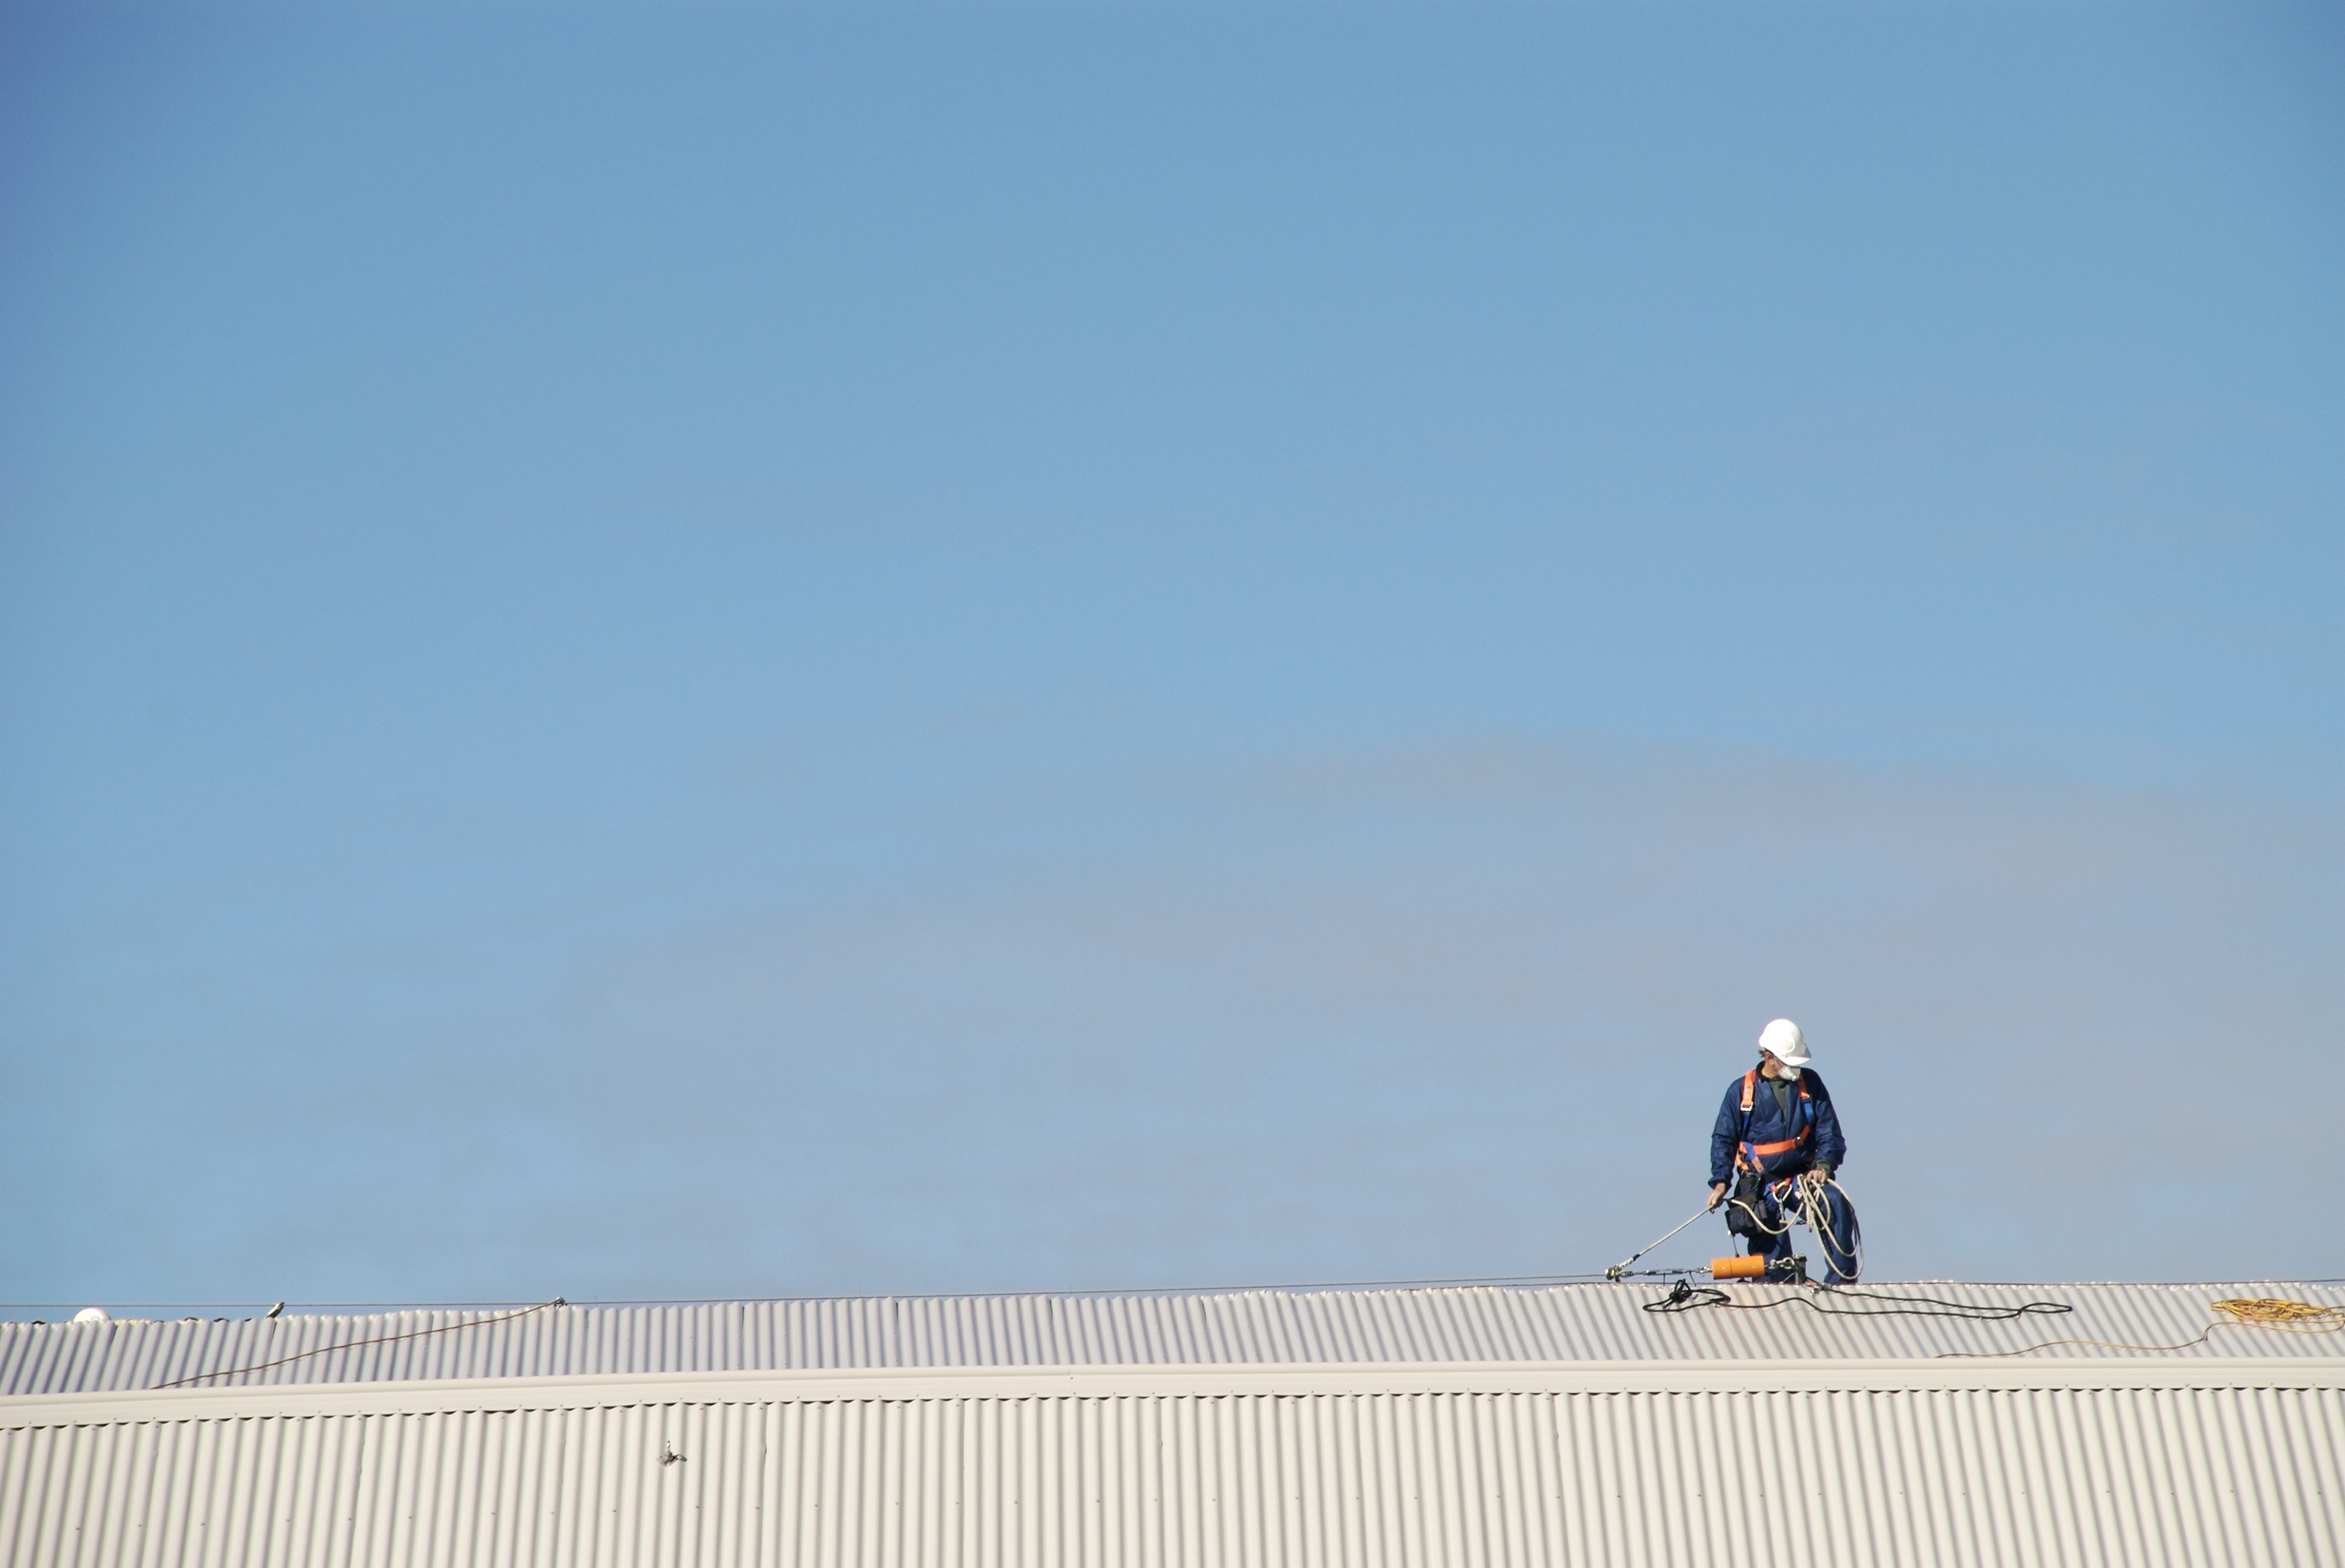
{"x":1743,"y":1208}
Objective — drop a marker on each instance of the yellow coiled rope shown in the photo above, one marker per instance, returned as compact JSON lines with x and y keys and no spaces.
{"x":2295,"y":1317}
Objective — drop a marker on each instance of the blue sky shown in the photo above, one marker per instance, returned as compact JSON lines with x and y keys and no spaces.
{"x":655,"y":652}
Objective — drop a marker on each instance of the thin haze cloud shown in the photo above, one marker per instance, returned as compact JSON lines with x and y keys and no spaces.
{"x":734,"y":652}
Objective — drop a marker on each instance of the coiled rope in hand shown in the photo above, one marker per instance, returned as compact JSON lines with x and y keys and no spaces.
{"x":1800,"y":1199}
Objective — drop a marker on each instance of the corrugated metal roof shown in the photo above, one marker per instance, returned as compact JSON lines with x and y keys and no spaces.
{"x":1465,"y":1426}
{"x":1563,"y":1323}
{"x":2219,"y":1465}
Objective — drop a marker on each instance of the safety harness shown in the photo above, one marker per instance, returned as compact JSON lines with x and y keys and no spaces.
{"x":1749,"y":1155}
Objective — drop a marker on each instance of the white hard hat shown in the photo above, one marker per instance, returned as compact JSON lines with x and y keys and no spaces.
{"x":1782,"y":1037}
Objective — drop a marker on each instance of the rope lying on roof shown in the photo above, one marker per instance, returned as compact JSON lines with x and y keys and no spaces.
{"x":1685,"y":1297}
{"x":354,"y":1344}
{"x":2246,"y":1313}
{"x":2294,"y":1317}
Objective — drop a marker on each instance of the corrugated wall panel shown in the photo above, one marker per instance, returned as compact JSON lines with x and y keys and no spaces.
{"x":1599,"y":1322}
{"x":2137,"y":1477}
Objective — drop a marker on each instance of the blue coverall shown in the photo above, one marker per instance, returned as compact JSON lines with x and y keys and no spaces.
{"x":1825,"y":1151}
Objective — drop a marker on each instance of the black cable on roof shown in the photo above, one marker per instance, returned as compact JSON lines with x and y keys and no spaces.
{"x":355,"y":1344}
{"x":1686,"y":1297}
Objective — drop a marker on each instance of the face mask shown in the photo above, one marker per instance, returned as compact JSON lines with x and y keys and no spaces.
{"x":1787,"y":1072}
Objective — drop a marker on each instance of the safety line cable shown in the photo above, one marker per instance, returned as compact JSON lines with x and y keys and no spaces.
{"x":1309,"y":1285}
{"x":1621,"y":1268}
{"x":1103,"y":1290}
{"x":2245,"y":1313}
{"x":314,"y":1308}
{"x":358,"y":1344}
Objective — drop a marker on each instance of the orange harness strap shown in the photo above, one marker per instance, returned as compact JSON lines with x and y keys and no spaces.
{"x":1751,"y":1154}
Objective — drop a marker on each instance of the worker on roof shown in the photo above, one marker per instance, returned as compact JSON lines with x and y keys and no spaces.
{"x":1775,"y":1147}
